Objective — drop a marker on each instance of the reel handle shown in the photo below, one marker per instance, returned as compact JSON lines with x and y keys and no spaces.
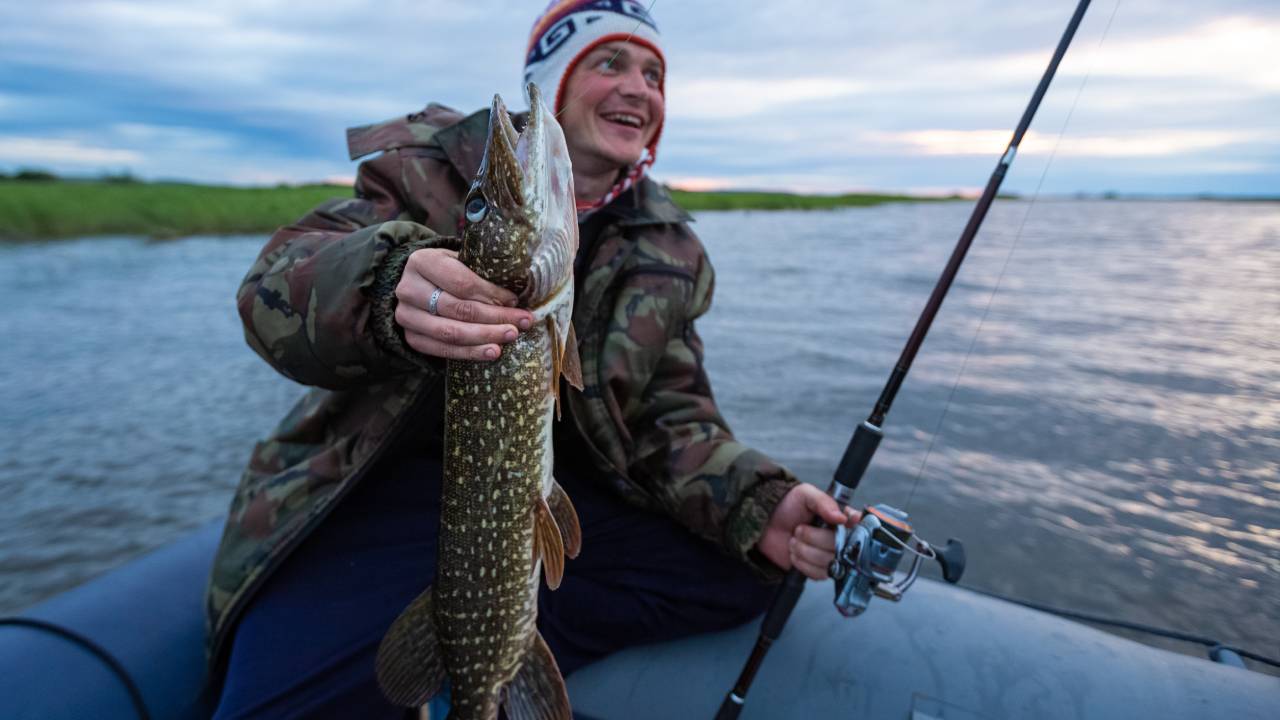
{"x":951,"y":558}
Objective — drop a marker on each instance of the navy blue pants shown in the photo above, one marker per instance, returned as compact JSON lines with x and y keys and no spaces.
{"x":305,"y":646}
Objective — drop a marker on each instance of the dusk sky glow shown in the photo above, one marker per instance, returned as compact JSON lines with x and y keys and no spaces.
{"x":1181,"y":96}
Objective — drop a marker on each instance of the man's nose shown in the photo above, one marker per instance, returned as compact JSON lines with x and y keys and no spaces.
{"x":633,"y":82}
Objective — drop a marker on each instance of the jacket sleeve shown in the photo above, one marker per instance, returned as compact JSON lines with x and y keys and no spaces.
{"x":319,"y":302}
{"x":684,"y":451}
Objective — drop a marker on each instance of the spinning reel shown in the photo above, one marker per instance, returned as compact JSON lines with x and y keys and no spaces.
{"x":868,"y":555}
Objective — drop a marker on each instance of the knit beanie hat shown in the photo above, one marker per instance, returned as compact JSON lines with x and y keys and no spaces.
{"x":565,"y":33}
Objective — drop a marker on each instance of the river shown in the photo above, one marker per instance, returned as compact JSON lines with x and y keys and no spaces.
{"x":1102,"y":431}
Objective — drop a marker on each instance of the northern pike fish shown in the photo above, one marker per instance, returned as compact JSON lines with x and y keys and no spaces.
{"x":505,"y":522}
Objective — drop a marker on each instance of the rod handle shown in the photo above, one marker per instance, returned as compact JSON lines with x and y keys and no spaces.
{"x":784,"y":602}
{"x":853,"y":464}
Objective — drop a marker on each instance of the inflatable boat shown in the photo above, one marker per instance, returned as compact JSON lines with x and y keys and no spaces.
{"x":130,"y":645}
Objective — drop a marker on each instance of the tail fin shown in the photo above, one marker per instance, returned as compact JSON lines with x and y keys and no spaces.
{"x":538,"y":692}
{"x":409,"y":664}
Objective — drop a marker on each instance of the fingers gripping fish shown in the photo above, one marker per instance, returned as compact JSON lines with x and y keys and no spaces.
{"x":504,"y":521}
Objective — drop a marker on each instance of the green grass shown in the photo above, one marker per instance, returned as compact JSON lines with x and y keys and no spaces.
{"x":747,"y":200}
{"x":41,"y":209}
{"x":64,"y":208}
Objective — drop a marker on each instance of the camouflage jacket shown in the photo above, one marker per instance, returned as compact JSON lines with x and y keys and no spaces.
{"x":319,"y":303}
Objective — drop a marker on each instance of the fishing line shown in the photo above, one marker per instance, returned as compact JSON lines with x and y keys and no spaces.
{"x":647,"y":11}
{"x":964,"y":363}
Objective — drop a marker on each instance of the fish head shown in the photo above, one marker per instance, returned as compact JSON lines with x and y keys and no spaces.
{"x":520,"y":224}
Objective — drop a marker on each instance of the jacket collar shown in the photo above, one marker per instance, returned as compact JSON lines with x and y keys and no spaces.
{"x":416,"y":129}
{"x":646,"y":203}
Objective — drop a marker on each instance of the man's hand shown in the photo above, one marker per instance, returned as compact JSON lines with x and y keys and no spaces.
{"x":473,"y":316}
{"x":790,"y":541}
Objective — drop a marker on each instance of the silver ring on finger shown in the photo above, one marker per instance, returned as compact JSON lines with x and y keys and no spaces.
{"x":435,"y":301}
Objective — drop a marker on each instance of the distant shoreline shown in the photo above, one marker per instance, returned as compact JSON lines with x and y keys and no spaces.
{"x":51,"y":208}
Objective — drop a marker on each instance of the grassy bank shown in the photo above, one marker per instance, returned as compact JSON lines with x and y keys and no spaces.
{"x":72,"y":208}
{"x":61,"y":208}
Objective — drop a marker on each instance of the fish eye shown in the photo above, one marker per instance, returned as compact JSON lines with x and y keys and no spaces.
{"x":476,"y":209}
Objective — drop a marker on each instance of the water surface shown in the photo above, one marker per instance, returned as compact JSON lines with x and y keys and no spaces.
{"x":1110,"y":442}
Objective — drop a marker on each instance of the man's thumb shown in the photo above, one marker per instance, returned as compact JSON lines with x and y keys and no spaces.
{"x":825,"y":507}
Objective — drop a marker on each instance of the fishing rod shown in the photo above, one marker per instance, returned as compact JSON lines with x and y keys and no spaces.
{"x":867,"y":557}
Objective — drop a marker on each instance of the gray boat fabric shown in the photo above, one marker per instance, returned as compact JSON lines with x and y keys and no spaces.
{"x":943,"y":652}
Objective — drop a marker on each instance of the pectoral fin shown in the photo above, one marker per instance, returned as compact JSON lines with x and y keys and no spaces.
{"x":571,"y":364}
{"x":557,"y":357}
{"x":548,"y":545}
{"x":566,"y":519}
{"x":564,"y":358}
{"x":538,"y":692}
{"x":409,"y":664}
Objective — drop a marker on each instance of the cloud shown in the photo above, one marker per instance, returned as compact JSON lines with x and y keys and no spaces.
{"x":990,"y":143}
{"x":805,"y":93}
{"x":255,"y":58}
{"x":190,"y":139}
{"x":19,"y":150}
{"x":164,"y":152}
{"x":730,"y":97}
{"x":1237,"y":51}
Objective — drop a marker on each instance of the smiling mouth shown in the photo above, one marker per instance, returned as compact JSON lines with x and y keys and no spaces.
{"x":624,"y":119}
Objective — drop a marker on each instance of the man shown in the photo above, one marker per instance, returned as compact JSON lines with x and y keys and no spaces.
{"x":333,"y":529}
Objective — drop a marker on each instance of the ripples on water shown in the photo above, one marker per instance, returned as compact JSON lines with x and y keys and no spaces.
{"x":1113,"y":444}
{"x":127,"y":397}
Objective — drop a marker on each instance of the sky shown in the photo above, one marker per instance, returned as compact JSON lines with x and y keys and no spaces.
{"x":1155,"y":96}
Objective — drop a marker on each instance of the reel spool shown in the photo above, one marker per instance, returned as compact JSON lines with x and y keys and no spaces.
{"x":868,"y":556}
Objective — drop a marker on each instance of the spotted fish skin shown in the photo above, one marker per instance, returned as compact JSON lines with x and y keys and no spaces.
{"x":505,"y":523}
{"x":487,"y":585}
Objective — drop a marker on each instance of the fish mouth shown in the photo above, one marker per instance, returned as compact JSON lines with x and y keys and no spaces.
{"x":527,"y":178}
{"x":514,"y":162}
{"x":549,"y":198}
{"x":501,"y":173}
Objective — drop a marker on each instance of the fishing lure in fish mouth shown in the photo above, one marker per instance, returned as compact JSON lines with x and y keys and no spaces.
{"x":505,"y":523}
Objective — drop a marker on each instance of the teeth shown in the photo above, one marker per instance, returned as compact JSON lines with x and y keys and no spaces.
{"x":631,"y":120}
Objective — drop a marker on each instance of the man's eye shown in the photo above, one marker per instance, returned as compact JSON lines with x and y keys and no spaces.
{"x":653,"y":76}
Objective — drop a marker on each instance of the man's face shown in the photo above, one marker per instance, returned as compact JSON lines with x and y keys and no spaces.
{"x":613,"y":106}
